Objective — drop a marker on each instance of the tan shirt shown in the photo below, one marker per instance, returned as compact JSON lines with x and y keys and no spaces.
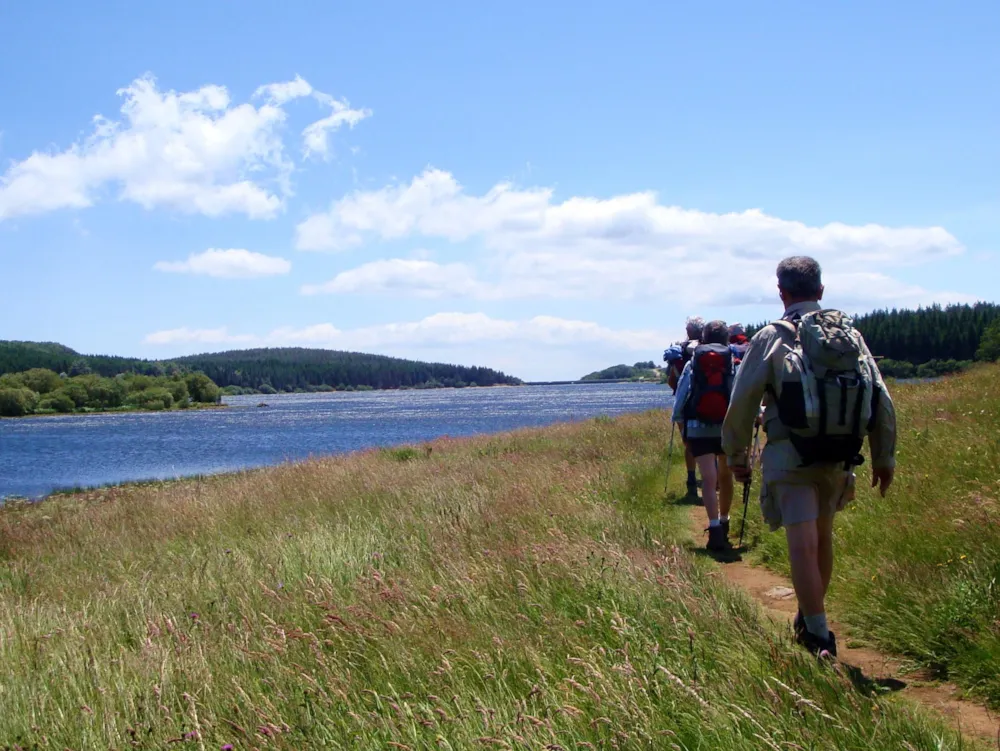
{"x":761,"y":367}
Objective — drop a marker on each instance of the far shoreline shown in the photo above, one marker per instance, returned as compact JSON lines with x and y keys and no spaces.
{"x":222,"y":405}
{"x":198,"y":407}
{"x":84,"y":493}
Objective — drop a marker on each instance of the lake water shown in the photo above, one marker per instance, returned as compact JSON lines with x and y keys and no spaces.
{"x":43,"y":454}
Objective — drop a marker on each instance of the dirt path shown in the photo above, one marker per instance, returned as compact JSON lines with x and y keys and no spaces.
{"x":775,"y":595}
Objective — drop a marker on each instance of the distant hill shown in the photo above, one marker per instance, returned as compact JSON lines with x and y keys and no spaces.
{"x":39,"y":354}
{"x":639,"y":371}
{"x":266,"y":370}
{"x":295,"y":368}
{"x":18,"y":356}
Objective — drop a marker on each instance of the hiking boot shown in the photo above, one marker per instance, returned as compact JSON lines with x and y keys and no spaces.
{"x":823,"y":649}
{"x":725,"y":527}
{"x":692,"y":488}
{"x":799,"y":626}
{"x":718,"y":540}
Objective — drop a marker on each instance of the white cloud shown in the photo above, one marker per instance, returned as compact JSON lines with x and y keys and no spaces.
{"x":196,"y":336}
{"x":416,"y":277}
{"x":234,"y":263}
{"x":626,"y":247}
{"x":280,"y":93}
{"x":861,"y":291}
{"x":432,"y":205}
{"x":439,"y":330}
{"x":194,"y":152}
{"x":315,"y":137}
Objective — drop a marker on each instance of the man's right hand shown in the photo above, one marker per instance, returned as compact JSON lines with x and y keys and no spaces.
{"x":741,"y":472}
{"x":882,"y":478}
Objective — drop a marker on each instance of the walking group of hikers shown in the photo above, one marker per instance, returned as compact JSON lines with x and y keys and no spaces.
{"x":811,"y":382}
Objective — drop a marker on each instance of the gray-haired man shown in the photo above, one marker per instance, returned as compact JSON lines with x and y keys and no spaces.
{"x":803,"y":499}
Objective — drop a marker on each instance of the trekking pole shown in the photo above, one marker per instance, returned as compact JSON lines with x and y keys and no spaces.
{"x":746,"y":485}
{"x":670,"y":455}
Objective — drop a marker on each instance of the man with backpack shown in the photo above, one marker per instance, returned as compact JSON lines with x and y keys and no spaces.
{"x":823,"y":394}
{"x":700,"y":407}
{"x":678,"y":356}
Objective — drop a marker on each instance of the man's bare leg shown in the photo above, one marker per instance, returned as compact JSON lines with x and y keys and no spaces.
{"x":803,"y":555}
{"x":725,"y":487}
{"x":706,"y":464}
{"x":690,"y":463}
{"x":824,"y":541}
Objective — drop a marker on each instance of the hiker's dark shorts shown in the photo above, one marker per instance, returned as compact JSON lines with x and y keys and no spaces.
{"x":704,"y":446}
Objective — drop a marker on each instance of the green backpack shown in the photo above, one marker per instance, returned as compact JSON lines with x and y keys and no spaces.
{"x":827,"y":389}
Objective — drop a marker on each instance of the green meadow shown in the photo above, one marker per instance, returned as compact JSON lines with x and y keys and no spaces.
{"x":531,"y":590}
{"x":918,"y":572}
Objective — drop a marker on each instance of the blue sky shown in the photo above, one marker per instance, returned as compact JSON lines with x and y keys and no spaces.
{"x":545,"y":188}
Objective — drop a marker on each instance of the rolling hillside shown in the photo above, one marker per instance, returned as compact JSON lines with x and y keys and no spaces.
{"x":264,"y":370}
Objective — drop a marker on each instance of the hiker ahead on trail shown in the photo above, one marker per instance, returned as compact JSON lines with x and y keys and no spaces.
{"x":823,"y":394}
{"x":677,"y":356}
{"x":738,"y":341}
{"x":700,"y":407}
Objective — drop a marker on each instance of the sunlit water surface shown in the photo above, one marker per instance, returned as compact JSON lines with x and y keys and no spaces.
{"x":40,"y":455}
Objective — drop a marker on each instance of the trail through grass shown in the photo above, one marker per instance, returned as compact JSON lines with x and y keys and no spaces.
{"x":918,"y":572}
{"x":520,"y":591}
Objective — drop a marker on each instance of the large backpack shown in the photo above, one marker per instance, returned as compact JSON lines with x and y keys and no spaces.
{"x":711,"y":383}
{"x":826,"y":396}
{"x":678,"y":356}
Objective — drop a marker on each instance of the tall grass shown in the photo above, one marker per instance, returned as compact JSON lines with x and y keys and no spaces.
{"x":521,"y":591}
{"x":918,"y":572}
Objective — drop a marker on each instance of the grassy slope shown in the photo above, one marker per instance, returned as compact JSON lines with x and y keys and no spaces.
{"x":919,"y":571}
{"x":519,"y":591}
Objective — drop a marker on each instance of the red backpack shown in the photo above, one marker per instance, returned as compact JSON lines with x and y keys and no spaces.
{"x":711,"y":384}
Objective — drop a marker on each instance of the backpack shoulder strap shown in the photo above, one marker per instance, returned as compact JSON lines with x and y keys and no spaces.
{"x":788,"y":326}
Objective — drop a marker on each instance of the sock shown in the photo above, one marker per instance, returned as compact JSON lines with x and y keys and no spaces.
{"x":713,"y":523}
{"x":816,"y":625}
{"x":724,"y":519}
{"x":691,"y":478}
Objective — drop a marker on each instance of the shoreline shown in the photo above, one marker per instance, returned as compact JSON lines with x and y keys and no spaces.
{"x":199,"y":407}
{"x":80,"y":492}
{"x":244,"y":417}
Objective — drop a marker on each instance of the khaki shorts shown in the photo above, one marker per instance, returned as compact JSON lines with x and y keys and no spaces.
{"x":804,"y":495}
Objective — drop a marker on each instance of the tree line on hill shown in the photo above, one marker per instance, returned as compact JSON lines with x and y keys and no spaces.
{"x":930,"y":341}
{"x":260,"y":370}
{"x":16,"y":357}
{"x":294,"y":369}
{"x":43,"y":391}
{"x":641,"y":371}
